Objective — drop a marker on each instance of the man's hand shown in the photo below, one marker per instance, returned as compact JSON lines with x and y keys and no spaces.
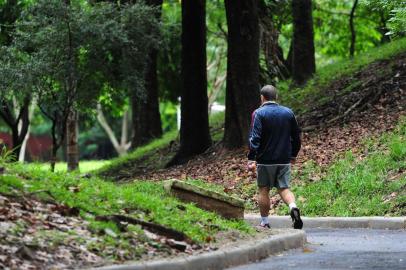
{"x":252,"y":165}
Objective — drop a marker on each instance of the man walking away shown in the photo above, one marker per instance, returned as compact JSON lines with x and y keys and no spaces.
{"x":274,"y":144}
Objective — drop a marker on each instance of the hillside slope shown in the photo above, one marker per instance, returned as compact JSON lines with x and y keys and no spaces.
{"x":334,"y":119}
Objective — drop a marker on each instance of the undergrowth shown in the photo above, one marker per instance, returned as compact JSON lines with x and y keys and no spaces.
{"x":358,"y":186}
{"x":367,"y":185}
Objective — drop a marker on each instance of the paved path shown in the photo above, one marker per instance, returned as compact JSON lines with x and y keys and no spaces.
{"x":342,"y":249}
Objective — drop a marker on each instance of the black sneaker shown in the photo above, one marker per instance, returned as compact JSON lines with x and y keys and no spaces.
{"x":296,"y":220}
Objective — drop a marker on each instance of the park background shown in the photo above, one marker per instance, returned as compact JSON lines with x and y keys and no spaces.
{"x":100,"y":101}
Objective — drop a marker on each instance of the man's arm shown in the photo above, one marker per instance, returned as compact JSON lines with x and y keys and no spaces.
{"x":255,"y":136}
{"x":295,"y":138}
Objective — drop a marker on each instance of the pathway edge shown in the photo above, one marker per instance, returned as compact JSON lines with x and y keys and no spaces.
{"x":253,"y":251}
{"x":376,"y":222}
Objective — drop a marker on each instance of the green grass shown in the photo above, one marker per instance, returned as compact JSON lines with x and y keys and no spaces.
{"x":299,"y":98}
{"x":93,"y":196}
{"x":352,"y":186}
{"x":84,"y":166}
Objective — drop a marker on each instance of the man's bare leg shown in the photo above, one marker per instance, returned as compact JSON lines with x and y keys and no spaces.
{"x":288,"y":197}
{"x":263,"y":201}
{"x":264,"y":206}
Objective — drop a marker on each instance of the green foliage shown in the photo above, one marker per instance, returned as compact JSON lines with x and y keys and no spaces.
{"x":9,"y":12}
{"x":75,"y":48}
{"x":68,"y":54}
{"x":299,"y":98}
{"x":144,"y":200}
{"x":216,"y":49}
{"x":395,"y":10}
{"x":398,"y":22}
{"x":353,"y":186}
{"x":15,"y":83}
{"x":6,"y":156}
{"x":332,"y":32}
{"x":169,"y":55}
{"x":169,"y":115}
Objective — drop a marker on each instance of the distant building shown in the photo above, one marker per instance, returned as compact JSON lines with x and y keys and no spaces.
{"x":38,"y":146}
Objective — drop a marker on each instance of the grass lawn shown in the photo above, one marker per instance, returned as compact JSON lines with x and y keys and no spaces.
{"x":94,"y":196}
{"x":84,"y":166}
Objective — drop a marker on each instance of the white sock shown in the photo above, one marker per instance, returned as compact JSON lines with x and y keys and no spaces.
{"x":292,"y":205}
{"x":264,"y":220}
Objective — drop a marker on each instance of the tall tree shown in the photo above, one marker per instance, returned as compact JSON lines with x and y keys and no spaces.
{"x":145,"y":110}
{"x":272,"y":16}
{"x":73,"y":57}
{"x":194,"y":131}
{"x":352,"y":29}
{"x":242,"y":91}
{"x":72,"y":123}
{"x":303,"y":60}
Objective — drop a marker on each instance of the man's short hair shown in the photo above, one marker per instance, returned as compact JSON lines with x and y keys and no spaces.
{"x":269,"y":92}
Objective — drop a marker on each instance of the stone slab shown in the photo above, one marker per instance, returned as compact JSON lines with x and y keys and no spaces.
{"x":226,"y":206}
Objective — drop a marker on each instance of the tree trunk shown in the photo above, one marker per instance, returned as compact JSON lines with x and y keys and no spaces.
{"x":303,"y":61}
{"x":352,"y":29}
{"x":55,"y":144}
{"x":288,"y":62}
{"x":53,"y":157}
{"x":18,"y":122}
{"x":23,"y":150}
{"x":242,"y":91}
{"x":271,"y":50}
{"x":146,"y":117}
{"x":72,"y":148}
{"x":22,"y":154}
{"x":194,"y":131}
{"x":145,"y":111}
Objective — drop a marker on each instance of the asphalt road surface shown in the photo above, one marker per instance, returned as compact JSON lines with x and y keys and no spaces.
{"x":342,"y":249}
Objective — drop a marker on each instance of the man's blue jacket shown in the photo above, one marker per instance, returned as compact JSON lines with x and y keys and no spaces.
{"x":274,"y":136}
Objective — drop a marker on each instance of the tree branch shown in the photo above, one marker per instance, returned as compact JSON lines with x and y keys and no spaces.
{"x":105,"y":125}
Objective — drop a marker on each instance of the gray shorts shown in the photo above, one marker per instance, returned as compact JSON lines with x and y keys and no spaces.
{"x":277,"y":175}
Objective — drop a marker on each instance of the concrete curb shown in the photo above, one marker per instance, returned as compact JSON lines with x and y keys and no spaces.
{"x":390,"y":223}
{"x":220,"y":259}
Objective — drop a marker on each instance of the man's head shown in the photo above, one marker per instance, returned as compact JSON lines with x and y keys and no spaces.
{"x":268,"y":93}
